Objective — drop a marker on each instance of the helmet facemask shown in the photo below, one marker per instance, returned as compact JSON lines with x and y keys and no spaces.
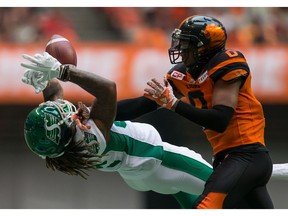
{"x":183,"y":43}
{"x":64,"y":108}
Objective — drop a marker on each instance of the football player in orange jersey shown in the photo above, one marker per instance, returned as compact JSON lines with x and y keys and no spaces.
{"x":211,"y":86}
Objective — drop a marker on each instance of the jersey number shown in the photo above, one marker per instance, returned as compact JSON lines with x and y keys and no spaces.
{"x":231,"y":53}
{"x":197,"y":95}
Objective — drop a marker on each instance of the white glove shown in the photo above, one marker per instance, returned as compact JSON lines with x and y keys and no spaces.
{"x":162,"y":94}
{"x":33,"y":78}
{"x":47,"y":66}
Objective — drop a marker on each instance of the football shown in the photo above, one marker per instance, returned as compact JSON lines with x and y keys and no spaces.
{"x":60,"y":48}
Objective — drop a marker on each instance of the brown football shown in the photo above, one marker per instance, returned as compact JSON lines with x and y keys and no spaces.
{"x":60,"y":48}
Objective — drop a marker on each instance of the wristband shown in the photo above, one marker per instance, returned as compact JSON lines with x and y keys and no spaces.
{"x":64,"y":74}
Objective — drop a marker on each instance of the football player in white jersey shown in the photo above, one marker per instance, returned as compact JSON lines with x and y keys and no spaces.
{"x":74,"y":141}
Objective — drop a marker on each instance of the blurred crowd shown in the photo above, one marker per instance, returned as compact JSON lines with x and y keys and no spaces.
{"x":145,"y":25}
{"x":245,"y":25}
{"x":29,"y":25}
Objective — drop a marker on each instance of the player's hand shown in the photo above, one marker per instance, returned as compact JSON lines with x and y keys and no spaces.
{"x":162,"y":94}
{"x":81,"y":117}
{"x":46,"y":65}
{"x":33,"y":78}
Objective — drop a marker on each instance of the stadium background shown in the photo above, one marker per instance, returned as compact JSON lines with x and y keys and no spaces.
{"x":128,"y":45}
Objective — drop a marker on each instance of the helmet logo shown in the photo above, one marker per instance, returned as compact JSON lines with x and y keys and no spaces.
{"x":53,"y":130}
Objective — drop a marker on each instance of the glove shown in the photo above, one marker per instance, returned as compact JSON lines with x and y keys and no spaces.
{"x":162,"y":94}
{"x":81,"y":117}
{"x":47,"y":67}
{"x":33,"y":78}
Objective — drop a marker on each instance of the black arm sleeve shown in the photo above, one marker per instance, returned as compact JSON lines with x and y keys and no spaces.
{"x":216,"y":119}
{"x":129,"y":109}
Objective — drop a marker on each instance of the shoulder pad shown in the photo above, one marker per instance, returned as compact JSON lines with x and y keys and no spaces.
{"x":225,"y":62}
{"x":178,"y":67}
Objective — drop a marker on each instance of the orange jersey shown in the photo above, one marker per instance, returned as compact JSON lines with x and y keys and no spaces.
{"x":247,"y":124}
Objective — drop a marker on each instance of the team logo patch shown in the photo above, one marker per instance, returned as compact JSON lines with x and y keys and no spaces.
{"x":91,"y":140}
{"x":177,"y":75}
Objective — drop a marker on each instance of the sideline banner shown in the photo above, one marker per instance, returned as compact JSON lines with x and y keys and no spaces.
{"x":131,"y":66}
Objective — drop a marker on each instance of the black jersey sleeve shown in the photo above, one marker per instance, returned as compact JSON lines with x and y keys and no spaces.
{"x":216,"y":119}
{"x":129,"y":109}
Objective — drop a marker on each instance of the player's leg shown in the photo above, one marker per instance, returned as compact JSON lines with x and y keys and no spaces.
{"x":233,"y":180}
{"x":185,"y":200}
{"x":182,"y":173}
{"x":262,"y":198}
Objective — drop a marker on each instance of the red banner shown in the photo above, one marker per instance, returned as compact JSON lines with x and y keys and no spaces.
{"x":131,"y":66}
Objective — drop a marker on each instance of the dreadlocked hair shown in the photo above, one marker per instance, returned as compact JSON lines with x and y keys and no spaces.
{"x":76,"y":160}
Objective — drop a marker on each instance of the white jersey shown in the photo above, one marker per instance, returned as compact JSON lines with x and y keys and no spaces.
{"x":137,"y":152}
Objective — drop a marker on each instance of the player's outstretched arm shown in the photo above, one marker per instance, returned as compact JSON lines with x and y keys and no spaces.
{"x":132,"y":108}
{"x":43,"y":69}
{"x":53,"y":91}
{"x":104,"y":105}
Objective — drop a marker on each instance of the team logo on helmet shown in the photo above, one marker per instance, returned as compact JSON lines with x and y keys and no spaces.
{"x":53,"y":130}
